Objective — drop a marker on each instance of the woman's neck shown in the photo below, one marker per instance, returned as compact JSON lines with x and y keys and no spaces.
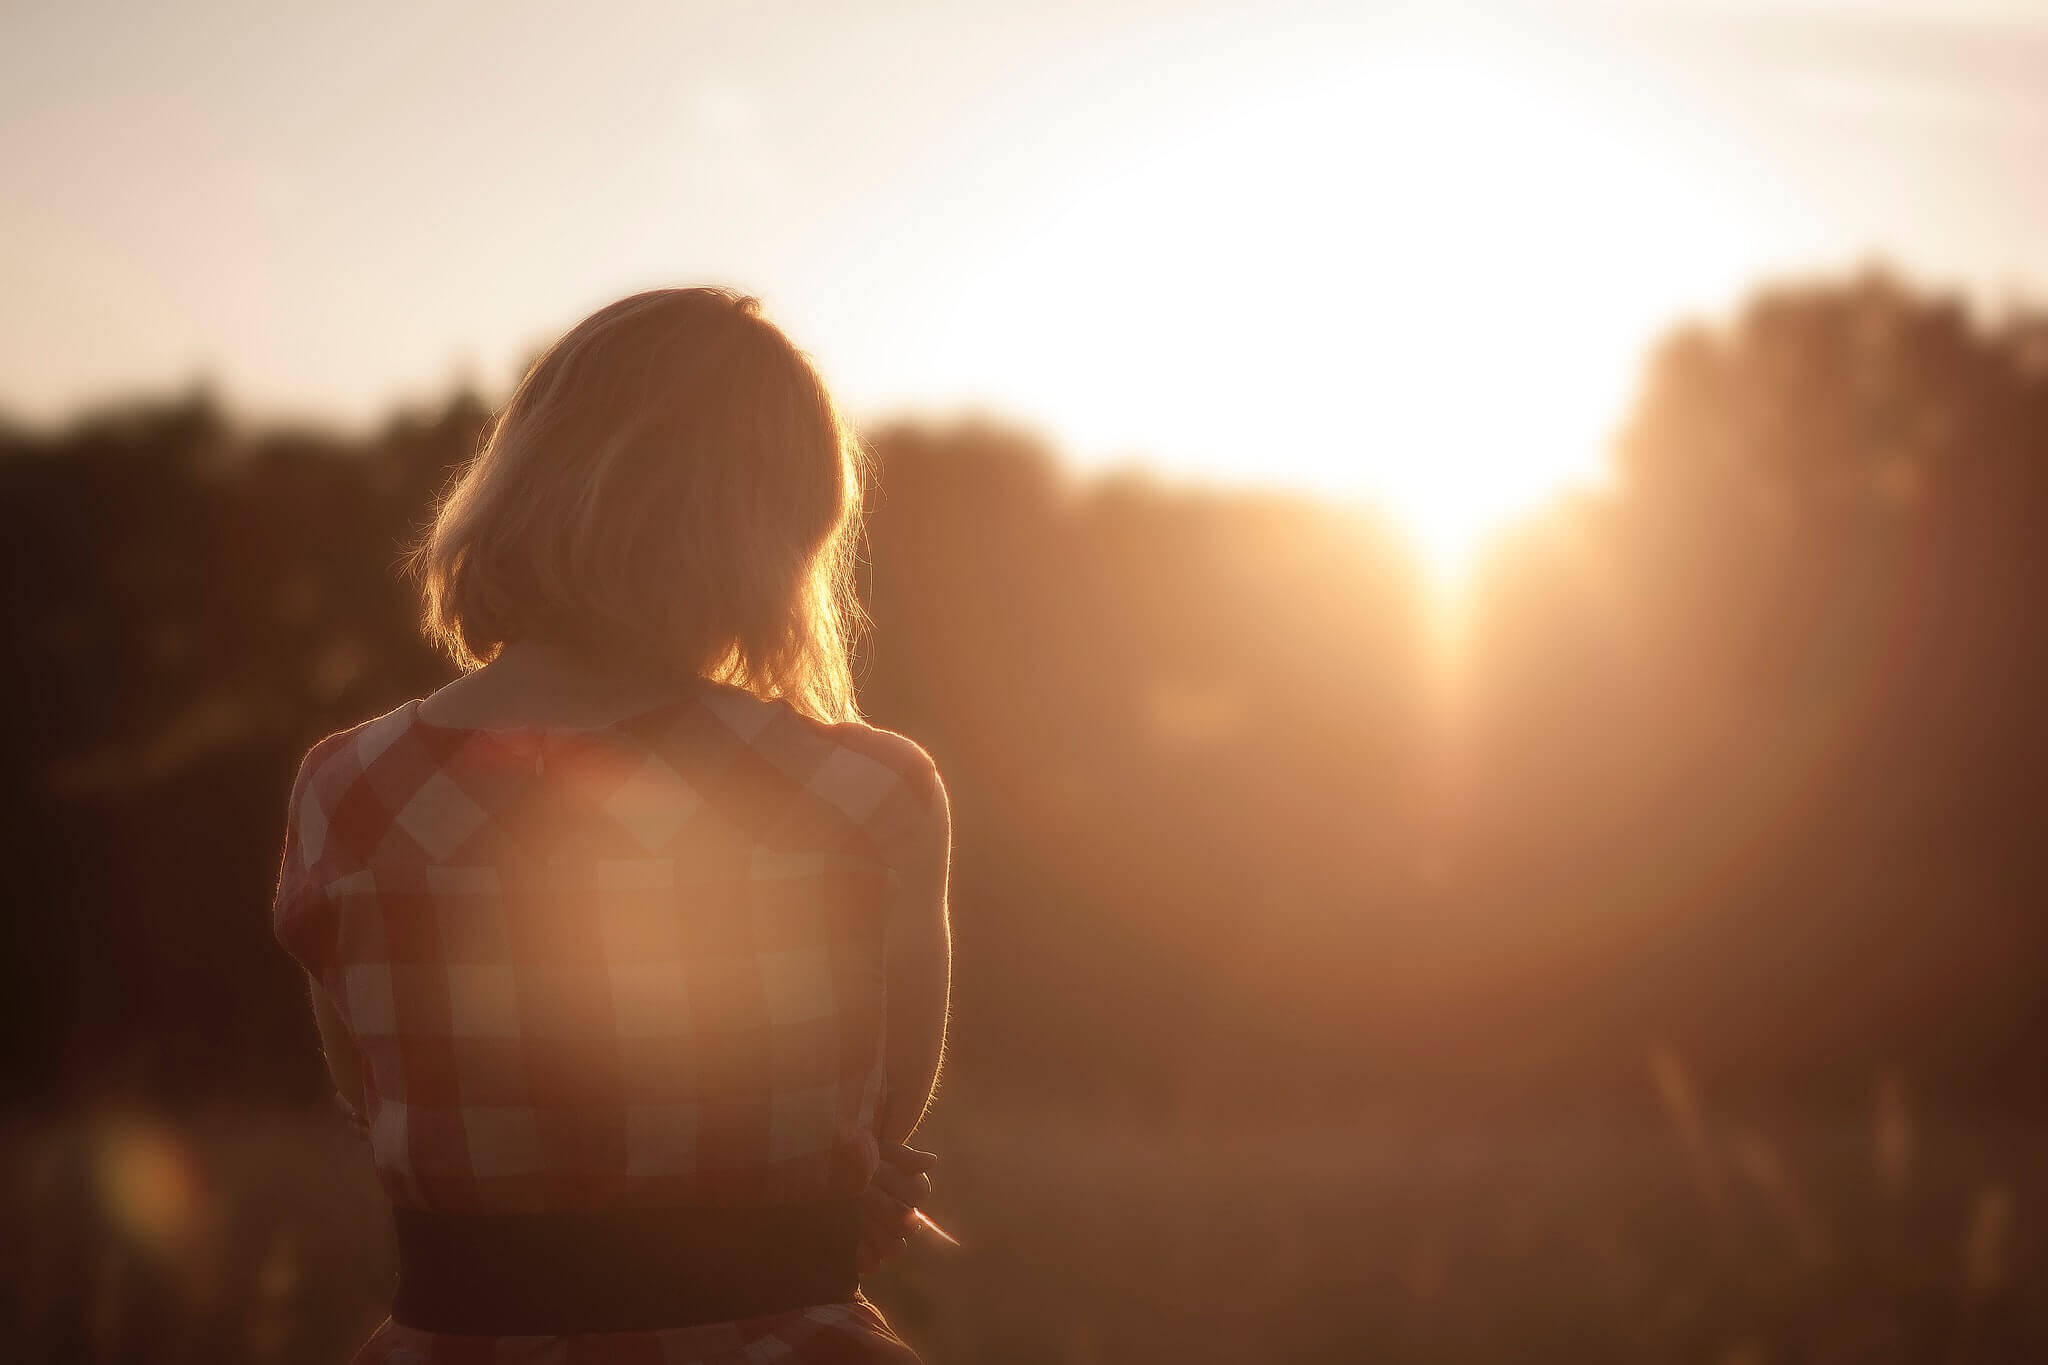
{"x":538,"y":681}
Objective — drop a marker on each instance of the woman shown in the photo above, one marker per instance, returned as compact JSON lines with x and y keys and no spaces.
{"x":629,"y":947}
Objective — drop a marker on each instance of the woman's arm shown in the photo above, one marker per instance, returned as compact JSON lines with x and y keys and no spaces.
{"x":919,"y":961}
{"x":344,"y":1060}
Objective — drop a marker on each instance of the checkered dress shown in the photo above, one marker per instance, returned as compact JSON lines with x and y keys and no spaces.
{"x":638,"y":965}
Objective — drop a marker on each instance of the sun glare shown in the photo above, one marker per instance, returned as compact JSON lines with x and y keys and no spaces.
{"x":1424,"y":279}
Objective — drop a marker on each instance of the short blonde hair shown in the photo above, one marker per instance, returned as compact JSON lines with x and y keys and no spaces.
{"x":670,"y":486}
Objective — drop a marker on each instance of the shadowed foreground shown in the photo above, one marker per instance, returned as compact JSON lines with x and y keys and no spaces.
{"x":258,"y":1236}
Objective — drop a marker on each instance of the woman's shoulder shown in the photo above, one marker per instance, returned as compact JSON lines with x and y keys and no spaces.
{"x":319,"y":830}
{"x":882,"y":781}
{"x":886,"y":781}
{"x":336,"y":760}
{"x":797,"y":737}
{"x":899,"y":753}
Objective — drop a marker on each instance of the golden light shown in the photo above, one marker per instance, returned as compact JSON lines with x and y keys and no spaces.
{"x":149,"y":1185}
{"x":1421,"y":274}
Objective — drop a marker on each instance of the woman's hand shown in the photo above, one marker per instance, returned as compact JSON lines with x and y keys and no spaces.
{"x":900,"y":1184}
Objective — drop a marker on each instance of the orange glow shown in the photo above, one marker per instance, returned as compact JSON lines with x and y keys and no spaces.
{"x":1314,"y":284}
{"x":149,"y":1186}
{"x":1255,"y":247}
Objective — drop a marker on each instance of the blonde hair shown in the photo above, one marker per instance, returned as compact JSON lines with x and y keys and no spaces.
{"x":671,"y":488}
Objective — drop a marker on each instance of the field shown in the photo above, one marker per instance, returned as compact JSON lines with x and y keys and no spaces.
{"x":238,"y":1235}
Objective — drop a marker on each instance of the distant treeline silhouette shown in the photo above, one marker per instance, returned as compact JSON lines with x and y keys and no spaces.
{"x":1745,"y":760}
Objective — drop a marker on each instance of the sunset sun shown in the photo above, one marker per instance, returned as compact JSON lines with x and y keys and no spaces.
{"x":1423,"y":280}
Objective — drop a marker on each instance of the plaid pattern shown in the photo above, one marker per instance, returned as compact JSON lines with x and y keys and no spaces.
{"x":636,"y":965}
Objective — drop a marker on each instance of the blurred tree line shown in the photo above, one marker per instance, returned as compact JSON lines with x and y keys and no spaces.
{"x":1742,"y":759}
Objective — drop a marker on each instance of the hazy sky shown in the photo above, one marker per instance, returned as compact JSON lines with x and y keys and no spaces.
{"x":1176,"y":229}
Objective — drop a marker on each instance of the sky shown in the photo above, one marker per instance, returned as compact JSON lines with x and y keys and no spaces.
{"x":1407,"y":250}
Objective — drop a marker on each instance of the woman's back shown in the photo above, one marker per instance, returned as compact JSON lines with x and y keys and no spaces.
{"x":636,"y":964}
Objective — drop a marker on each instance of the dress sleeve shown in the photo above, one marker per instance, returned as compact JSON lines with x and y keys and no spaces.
{"x":301,"y":916}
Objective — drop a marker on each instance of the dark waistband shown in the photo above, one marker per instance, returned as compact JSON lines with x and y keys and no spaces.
{"x":620,"y":1270}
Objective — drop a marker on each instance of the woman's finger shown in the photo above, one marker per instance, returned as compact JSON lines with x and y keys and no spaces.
{"x":910,"y":1189}
{"x":908,"y":1158}
{"x":884,"y":1212}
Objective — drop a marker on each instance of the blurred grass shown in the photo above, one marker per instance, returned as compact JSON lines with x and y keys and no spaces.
{"x":260,"y":1236}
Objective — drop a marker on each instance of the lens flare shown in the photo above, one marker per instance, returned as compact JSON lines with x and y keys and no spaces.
{"x":150,"y":1186}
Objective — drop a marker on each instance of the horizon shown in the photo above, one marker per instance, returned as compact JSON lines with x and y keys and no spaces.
{"x":1027,"y":229}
